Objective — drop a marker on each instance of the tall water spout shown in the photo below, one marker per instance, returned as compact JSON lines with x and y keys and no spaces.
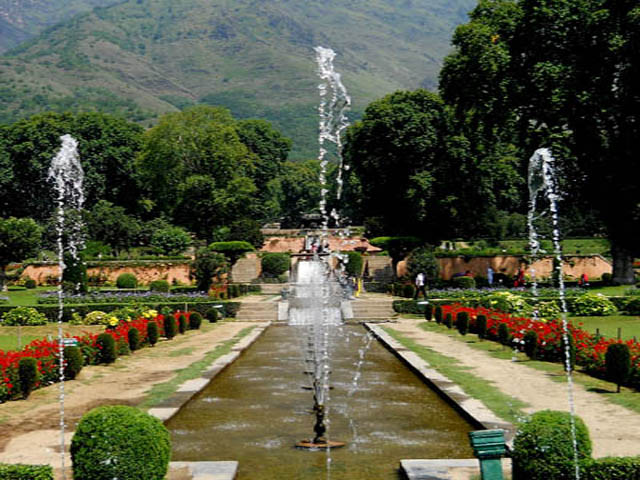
{"x":67,"y":176}
{"x":333,"y":122}
{"x":542,"y":180}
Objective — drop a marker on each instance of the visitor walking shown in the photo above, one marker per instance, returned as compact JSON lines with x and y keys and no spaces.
{"x":490,"y":275}
{"x":583,"y":282}
{"x":420,"y":280}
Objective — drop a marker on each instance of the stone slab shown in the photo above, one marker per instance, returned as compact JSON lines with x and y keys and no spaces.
{"x":209,"y":470}
{"x":438,"y":469}
{"x":194,"y":385}
{"x":162,"y":414}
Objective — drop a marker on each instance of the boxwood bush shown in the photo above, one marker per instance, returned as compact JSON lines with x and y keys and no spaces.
{"x":120,"y":442}
{"x":107,"y":346}
{"x":74,"y":362}
{"x":275,"y":264}
{"x":28,"y":375}
{"x":26,"y":316}
{"x":611,"y":468}
{"x":543,"y":448}
{"x":126,"y":280}
{"x":153,"y":333}
{"x":159,"y":286}
{"x":25,"y":472}
{"x":195,"y":320}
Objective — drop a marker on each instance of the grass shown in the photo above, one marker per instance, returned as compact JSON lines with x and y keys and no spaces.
{"x":502,"y":405}
{"x":162,"y":391}
{"x":28,"y":297}
{"x":609,"y":325}
{"x":627,"y":398}
{"x":9,"y":335}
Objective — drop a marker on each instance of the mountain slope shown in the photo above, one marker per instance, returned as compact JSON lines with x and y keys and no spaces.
{"x":144,"y":57}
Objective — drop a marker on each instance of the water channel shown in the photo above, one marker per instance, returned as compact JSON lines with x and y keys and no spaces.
{"x":256,"y":410}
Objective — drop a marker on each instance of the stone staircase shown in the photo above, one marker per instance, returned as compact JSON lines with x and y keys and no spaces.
{"x":246,"y":269}
{"x":378,"y":308}
{"x":265,"y":311}
{"x":273,"y":288}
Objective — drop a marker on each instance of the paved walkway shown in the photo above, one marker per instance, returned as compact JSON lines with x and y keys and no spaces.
{"x":615,"y":431}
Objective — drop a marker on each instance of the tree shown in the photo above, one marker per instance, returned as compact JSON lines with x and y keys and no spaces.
{"x":407,"y":156}
{"x":534,"y":60}
{"x":171,"y":240}
{"x":107,"y":147}
{"x":199,"y":142}
{"x":19,"y":239}
{"x":110,"y":224}
{"x":207,"y":265}
{"x":298,"y":191}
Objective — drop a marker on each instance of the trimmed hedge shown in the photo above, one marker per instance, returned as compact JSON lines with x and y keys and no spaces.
{"x":25,"y":472}
{"x":28,"y":375}
{"x":182,"y":324}
{"x":133,"y":335}
{"x":126,"y":280}
{"x":611,"y":468}
{"x":275,"y":264}
{"x":120,"y":442}
{"x":74,"y":361}
{"x":107,"y":346}
{"x":195,"y":321}
{"x":153,"y":333}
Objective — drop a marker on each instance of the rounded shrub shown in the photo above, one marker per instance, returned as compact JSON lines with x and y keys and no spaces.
{"x":74,"y":362}
{"x":464,"y":282}
{"x":212,"y":315}
{"x":275,"y":264}
{"x":543,"y":447}
{"x":170,"y":327}
{"x":481,"y":326}
{"x":617,"y":361}
{"x":632,"y":306}
{"x":107,"y":348}
{"x":355,"y":264}
{"x":28,"y":375}
{"x":448,"y":320}
{"x":126,"y":280}
{"x":153,"y":333}
{"x":428,"y":312}
{"x":30,"y":283}
{"x":25,"y":316}
{"x":438,"y":314}
{"x":531,"y":344}
{"x":504,"y":334}
{"x":591,"y":305}
{"x":195,"y":320}
{"x":159,"y":286}
{"x":120,"y":442}
{"x":462,"y":322}
{"x":182,"y":324}
{"x":133,"y":336}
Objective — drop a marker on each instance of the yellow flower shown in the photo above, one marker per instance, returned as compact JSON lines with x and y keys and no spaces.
{"x":113,"y":321}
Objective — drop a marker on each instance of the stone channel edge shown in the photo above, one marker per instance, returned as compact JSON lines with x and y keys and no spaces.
{"x":470,"y":408}
{"x":187,"y":390}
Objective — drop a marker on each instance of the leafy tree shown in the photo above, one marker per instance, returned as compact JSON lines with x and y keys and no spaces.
{"x":110,"y":224}
{"x":247,"y":230}
{"x":199,"y":142}
{"x":423,"y":259}
{"x":107,"y":147}
{"x":298,"y":191}
{"x":171,"y":240}
{"x":410,"y":137}
{"x":19,"y":239}
{"x":207,"y":265}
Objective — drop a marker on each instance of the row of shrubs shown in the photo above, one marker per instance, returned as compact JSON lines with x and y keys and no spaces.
{"x":582,"y":304}
{"x":602,"y":357}
{"x":37,"y":364}
{"x":543,"y":450}
{"x":41,"y":314}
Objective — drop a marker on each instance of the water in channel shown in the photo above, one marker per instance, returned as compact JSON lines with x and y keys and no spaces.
{"x":256,"y":410}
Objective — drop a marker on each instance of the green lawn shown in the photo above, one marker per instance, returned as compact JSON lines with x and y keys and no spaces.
{"x":608,"y":326}
{"x":20,"y":298}
{"x":9,"y":335}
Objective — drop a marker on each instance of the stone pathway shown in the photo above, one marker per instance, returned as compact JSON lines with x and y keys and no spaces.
{"x":615,"y":431}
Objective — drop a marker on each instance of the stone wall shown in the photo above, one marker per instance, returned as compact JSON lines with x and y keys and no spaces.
{"x":170,"y":271}
{"x":574,"y":266}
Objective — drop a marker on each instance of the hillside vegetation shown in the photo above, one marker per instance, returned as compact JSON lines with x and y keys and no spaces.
{"x":140,"y":58}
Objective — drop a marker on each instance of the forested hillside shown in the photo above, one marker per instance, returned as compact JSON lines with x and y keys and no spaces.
{"x":140,"y":58}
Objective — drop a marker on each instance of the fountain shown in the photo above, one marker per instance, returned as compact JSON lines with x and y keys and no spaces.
{"x":542,"y":180}
{"x":67,"y":176}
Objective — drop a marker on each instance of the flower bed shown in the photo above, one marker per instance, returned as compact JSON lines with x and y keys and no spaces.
{"x":590,"y":348}
{"x":46,"y":352}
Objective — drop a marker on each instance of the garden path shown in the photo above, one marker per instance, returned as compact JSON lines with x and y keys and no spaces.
{"x":614,"y":430}
{"x":29,"y":430}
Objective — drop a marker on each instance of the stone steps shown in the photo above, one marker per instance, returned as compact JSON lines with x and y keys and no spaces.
{"x":258,"y":312}
{"x":272,"y":288}
{"x":372,"y":309}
